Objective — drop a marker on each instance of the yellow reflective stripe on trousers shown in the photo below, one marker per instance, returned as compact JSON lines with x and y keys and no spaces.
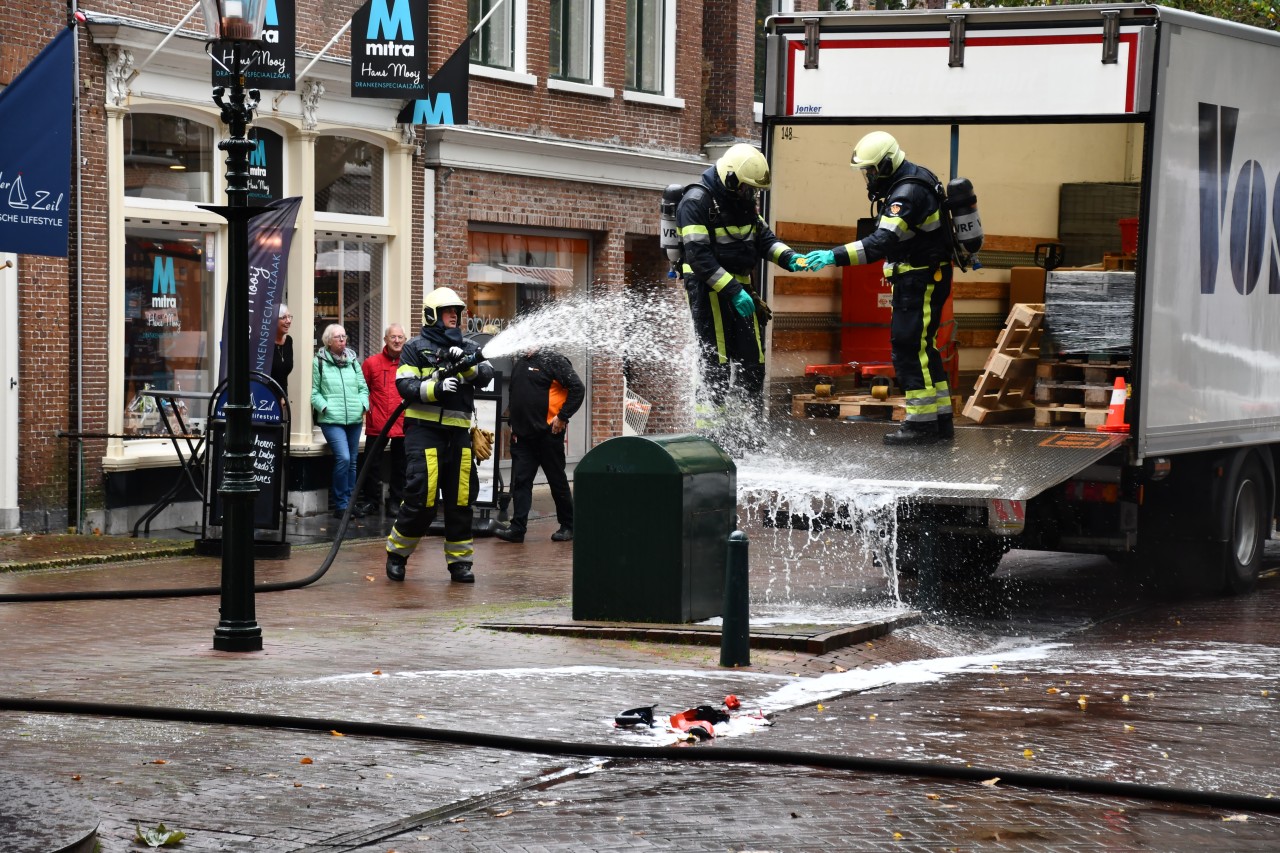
{"x":464,"y":478}
{"x":921,"y":405}
{"x":942,"y":392}
{"x":718,"y":322}
{"x":398,"y":543}
{"x":433,"y":475}
{"x":459,"y":552}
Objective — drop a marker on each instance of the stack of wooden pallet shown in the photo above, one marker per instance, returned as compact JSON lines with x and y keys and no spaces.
{"x":1076,"y":391}
{"x":1003,"y":392}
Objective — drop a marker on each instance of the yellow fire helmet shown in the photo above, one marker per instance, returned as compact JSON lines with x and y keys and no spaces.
{"x":441,"y":297}
{"x":877,"y":156}
{"x":743,"y":165}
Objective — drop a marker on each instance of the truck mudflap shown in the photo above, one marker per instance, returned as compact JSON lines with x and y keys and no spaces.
{"x":981,"y":465}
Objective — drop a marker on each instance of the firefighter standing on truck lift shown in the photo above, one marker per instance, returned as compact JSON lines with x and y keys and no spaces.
{"x":913,"y":240}
{"x":439,"y":371}
{"x":723,"y":238}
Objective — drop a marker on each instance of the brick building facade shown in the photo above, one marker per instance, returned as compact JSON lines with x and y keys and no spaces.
{"x":576,"y":160}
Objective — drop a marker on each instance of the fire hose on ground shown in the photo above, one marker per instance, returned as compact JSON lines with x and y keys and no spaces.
{"x":719,"y":755}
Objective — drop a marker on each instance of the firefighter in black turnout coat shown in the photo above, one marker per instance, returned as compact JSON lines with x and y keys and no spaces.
{"x":723,"y":239}
{"x":913,"y":239}
{"x":438,"y":373}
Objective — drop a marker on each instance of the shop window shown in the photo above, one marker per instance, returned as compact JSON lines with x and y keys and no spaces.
{"x":349,"y":291}
{"x":167,"y":309}
{"x":349,"y":176}
{"x":511,"y":273}
{"x":167,"y":157}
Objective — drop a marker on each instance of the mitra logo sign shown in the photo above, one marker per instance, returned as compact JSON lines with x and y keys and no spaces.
{"x":389,"y":49}
{"x":1250,"y":231}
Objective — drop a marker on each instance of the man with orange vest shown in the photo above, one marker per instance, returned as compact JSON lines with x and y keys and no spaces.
{"x":544,"y":393}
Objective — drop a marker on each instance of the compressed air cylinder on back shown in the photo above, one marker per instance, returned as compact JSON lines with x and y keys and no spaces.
{"x":667,"y":227}
{"x":964,"y":215}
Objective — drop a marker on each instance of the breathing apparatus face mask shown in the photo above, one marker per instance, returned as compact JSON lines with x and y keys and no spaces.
{"x":745,"y":194}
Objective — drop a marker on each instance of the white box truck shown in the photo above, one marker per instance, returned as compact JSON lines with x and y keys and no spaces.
{"x":1025,"y":102}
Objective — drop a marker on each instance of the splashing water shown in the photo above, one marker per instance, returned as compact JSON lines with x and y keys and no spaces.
{"x":822,"y":542}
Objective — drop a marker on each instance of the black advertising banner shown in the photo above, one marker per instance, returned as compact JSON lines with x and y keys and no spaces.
{"x":389,"y":49}
{"x":446,"y":99}
{"x":270,"y":238}
{"x":267,"y":452}
{"x":266,"y":167}
{"x":270,"y":63}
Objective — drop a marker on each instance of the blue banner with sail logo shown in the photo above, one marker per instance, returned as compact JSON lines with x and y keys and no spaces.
{"x":35,"y":152}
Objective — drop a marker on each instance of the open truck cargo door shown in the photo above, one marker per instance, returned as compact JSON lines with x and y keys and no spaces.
{"x":1157,"y":118}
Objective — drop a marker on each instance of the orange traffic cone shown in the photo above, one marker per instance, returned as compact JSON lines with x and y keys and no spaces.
{"x":1115,"y":414}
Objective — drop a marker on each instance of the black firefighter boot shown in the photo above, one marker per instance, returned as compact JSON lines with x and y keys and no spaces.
{"x":395,"y":566}
{"x":460,"y":572}
{"x":946,"y":427}
{"x":913,"y":433}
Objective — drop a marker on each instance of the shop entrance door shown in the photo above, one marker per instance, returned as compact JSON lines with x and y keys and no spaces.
{"x":9,"y":394}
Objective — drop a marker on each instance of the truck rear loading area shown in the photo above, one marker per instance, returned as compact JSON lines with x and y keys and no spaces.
{"x":1129,"y":186}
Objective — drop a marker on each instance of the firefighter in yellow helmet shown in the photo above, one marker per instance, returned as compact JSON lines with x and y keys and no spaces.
{"x":723,"y":239}
{"x":438,"y":373}
{"x":913,"y":241}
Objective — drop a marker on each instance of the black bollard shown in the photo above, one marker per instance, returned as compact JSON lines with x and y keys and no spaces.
{"x":735,"y":630}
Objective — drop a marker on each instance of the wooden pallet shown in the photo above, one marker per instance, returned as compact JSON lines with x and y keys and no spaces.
{"x":1069,"y":415}
{"x":1003,"y":392}
{"x":848,"y":406}
{"x":1088,"y":383}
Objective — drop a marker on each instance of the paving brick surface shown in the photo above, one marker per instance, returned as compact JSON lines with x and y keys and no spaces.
{"x":1199,"y":677}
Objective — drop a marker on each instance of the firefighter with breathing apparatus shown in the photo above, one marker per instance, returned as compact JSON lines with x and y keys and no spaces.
{"x":716,"y":238}
{"x":920,"y":233}
{"x":438,"y":373}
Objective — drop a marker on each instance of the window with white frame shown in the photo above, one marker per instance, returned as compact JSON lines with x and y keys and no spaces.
{"x":168,"y":157}
{"x":349,"y":284}
{"x":650,"y":41}
{"x":349,"y":176}
{"x":168,"y":317}
{"x":572,"y":30}
{"x":495,"y":44}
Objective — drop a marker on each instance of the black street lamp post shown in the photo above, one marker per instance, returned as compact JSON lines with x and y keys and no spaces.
{"x":237,"y":22}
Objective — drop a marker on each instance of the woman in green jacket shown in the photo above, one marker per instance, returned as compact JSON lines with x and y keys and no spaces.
{"x":340,"y":398}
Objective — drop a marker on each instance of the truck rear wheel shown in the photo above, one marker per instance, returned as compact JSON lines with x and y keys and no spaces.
{"x":1247,"y":526}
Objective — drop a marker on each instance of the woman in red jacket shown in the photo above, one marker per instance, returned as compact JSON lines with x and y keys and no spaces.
{"x":380,"y":375}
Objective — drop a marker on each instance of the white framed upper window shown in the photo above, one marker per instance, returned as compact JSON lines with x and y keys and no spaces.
{"x":650,"y":60}
{"x":573,"y":40}
{"x":499,"y":49}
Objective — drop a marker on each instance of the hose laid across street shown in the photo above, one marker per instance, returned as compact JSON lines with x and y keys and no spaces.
{"x":716,"y":754}
{"x":188,"y":592}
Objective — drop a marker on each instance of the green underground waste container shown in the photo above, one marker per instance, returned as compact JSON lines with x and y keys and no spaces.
{"x":652,"y":517}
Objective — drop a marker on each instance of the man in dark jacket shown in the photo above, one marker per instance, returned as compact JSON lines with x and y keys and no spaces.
{"x":912,"y":240}
{"x":724,"y":239}
{"x":544,"y":393}
{"x":438,"y":373}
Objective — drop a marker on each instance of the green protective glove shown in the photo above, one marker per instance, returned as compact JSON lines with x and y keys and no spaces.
{"x":796,"y":263}
{"x":744,"y":304}
{"x":819,"y":258}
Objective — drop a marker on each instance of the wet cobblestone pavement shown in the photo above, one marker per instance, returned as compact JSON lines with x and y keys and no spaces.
{"x":1177,"y":694}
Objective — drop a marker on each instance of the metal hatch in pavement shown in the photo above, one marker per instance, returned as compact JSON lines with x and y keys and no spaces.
{"x":982,"y":462}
